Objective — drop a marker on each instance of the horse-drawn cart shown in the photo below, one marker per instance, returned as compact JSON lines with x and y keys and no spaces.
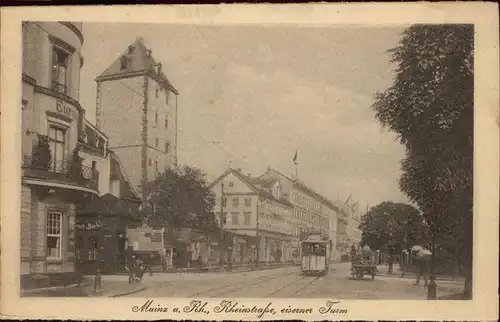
{"x":363,"y":264}
{"x":361,"y":267}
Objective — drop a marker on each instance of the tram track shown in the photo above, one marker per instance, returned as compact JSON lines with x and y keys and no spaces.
{"x":293,"y":283}
{"x":229,"y":287}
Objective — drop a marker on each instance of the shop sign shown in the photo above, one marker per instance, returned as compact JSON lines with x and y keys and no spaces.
{"x":89,"y":225}
{"x":64,"y":108}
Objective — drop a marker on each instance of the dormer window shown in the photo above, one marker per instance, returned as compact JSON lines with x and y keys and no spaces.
{"x":124,"y":63}
{"x":130,"y":49}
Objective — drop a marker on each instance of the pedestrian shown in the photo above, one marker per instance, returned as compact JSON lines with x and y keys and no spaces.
{"x":423,"y":269}
{"x":131,"y":269}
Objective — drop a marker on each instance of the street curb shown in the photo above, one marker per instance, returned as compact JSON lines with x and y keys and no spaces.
{"x":129,"y":292}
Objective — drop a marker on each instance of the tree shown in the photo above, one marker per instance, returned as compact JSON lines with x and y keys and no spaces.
{"x":180,"y":198}
{"x":393,"y":227}
{"x":430,"y":107}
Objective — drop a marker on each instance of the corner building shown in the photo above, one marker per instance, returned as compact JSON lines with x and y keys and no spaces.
{"x":54,"y":180}
{"x":137,"y":108}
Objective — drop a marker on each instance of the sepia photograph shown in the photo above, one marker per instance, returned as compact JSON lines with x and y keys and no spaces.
{"x":247,"y":161}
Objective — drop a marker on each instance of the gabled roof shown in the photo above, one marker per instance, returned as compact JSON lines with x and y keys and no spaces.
{"x":299,"y":184}
{"x":117,"y":172}
{"x":140,"y":60}
{"x":256,"y":184}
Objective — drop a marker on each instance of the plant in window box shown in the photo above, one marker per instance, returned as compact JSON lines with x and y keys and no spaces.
{"x":41,"y":155}
{"x":76,"y":170}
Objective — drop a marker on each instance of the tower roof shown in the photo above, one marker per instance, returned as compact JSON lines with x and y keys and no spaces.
{"x":137,"y":59}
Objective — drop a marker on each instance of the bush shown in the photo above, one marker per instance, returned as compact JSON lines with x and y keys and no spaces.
{"x":41,"y":155}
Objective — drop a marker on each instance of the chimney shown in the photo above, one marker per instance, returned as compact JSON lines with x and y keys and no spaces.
{"x":140,"y":40}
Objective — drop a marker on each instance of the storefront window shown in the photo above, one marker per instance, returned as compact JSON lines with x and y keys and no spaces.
{"x":54,"y":224}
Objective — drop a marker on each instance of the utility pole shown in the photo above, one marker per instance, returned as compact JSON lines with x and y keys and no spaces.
{"x":257,"y":256}
{"x":222,"y":219}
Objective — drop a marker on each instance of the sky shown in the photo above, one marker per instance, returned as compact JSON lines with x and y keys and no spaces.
{"x":261,"y":93}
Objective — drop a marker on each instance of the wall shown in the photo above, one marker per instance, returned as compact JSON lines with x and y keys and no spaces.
{"x":123,"y":98}
{"x":156,"y":128}
{"x":239,"y":190}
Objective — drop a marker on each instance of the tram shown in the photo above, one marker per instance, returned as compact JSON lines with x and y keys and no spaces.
{"x":315,"y":255}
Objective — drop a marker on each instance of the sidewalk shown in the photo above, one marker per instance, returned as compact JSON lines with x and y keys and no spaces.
{"x":113,"y":288}
{"x":382,"y":270}
{"x":109,"y":288}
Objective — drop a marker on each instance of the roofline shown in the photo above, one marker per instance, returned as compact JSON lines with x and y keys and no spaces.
{"x":142,"y":72}
{"x":122,"y":170}
{"x":296,"y":182}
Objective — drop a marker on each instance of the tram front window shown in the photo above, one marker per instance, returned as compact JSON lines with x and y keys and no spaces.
{"x":314,"y":249}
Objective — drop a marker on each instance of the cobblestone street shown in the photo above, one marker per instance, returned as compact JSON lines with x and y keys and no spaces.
{"x":288,"y":283}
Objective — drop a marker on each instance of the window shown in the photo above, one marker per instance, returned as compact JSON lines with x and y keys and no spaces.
{"x":157,"y":93}
{"x":224,"y":202}
{"x":234,"y":218}
{"x":248,"y":201}
{"x":60,"y":60}
{"x":57,"y":137}
{"x":166,"y":122}
{"x":167,"y":147}
{"x":156,"y":118}
{"x":236,"y":202}
{"x":149,"y":162}
{"x":167,"y":97}
{"x":54,"y":227}
{"x":93,"y":248}
{"x":246,"y":218}
{"x":157,"y":142}
{"x":156,"y":166}
{"x":124,"y":63}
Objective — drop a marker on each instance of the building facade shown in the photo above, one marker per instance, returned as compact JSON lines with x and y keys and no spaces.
{"x":353,"y":231}
{"x":54,"y":180}
{"x":343,"y":244}
{"x":136,"y":106}
{"x":313,"y":213}
{"x":256,"y":208}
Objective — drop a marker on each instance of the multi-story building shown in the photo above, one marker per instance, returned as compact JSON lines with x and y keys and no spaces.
{"x":258,"y":208}
{"x":313,"y":212}
{"x":102,"y":222}
{"x":54,"y":180}
{"x":353,"y":231}
{"x":343,"y":245}
{"x":136,"y":107}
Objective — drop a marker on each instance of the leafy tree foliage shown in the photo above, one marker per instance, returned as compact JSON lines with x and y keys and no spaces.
{"x":392,"y":224}
{"x":430,"y":107}
{"x":180,"y":198}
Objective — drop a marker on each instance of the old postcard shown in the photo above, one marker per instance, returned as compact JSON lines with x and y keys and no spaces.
{"x":250,"y":162}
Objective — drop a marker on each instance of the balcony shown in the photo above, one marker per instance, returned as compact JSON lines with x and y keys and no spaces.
{"x":64,"y":172}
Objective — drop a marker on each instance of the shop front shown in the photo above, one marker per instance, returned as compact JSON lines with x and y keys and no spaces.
{"x":100,"y":239}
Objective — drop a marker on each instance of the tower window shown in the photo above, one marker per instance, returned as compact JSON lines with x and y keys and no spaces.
{"x":124,"y":63}
{"x":167,"y":147}
{"x":157,"y":93}
{"x":156,"y":142}
{"x":156,"y":117}
{"x":166,"y":122}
